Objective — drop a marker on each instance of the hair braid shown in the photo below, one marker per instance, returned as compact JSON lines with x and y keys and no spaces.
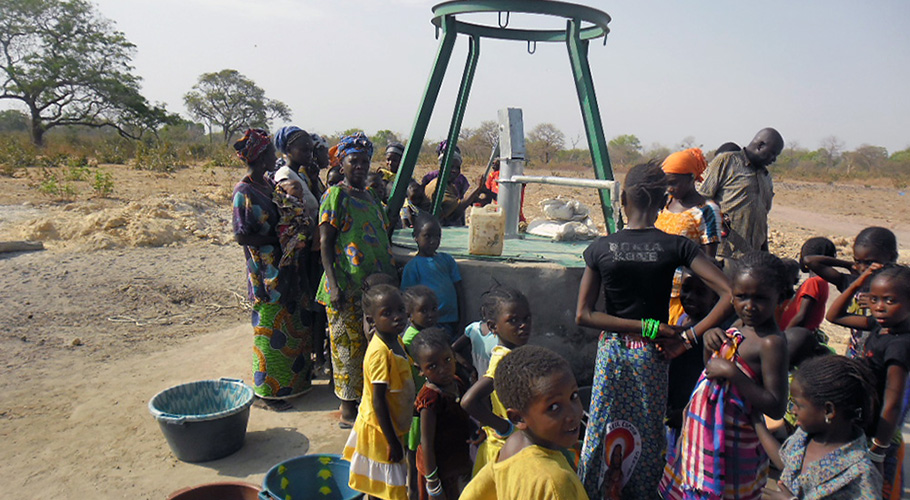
{"x":493,"y":299}
{"x":646,"y":185}
{"x":846,"y":383}
{"x":767,"y":267}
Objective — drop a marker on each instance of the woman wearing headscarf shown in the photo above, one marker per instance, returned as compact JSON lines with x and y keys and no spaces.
{"x":455,"y":195}
{"x":282,"y":336}
{"x":393,"y":153}
{"x":302,"y":152}
{"x":353,"y":230}
{"x":687,"y":212}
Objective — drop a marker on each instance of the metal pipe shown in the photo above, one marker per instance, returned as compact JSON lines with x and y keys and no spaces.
{"x":511,"y":163}
{"x":560,"y":181}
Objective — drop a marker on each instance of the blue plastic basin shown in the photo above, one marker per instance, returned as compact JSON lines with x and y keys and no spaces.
{"x":203,"y":420}
{"x":310,"y":477}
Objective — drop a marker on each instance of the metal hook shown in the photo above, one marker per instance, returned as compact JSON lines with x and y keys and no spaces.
{"x":501,"y":25}
{"x":532,"y":48}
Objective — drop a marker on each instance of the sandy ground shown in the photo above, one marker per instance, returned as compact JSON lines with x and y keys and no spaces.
{"x":141,"y":292}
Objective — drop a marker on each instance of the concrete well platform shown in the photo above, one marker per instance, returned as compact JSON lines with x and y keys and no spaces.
{"x":547,"y":272}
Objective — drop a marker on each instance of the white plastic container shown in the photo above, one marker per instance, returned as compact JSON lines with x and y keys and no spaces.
{"x":486,"y":230}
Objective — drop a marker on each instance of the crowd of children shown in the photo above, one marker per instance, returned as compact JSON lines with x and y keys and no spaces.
{"x":455,"y":406}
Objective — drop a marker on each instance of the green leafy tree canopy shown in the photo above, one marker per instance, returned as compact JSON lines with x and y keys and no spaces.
{"x":232,"y":102}
{"x":69,"y":66}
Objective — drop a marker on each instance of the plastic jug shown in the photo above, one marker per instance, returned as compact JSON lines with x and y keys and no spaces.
{"x":486,"y":230}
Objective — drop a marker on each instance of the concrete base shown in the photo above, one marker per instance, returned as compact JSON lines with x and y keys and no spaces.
{"x":551,"y":288}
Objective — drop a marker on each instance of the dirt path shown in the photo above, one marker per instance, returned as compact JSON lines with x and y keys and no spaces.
{"x":96,"y":325}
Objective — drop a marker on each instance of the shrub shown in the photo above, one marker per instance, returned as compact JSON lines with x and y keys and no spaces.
{"x":15,"y":155}
{"x":103,"y":183}
{"x":50,"y":185}
{"x":157,"y":157}
{"x":76,"y":174}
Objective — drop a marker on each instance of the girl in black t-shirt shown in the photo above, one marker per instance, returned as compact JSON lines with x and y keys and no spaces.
{"x":887,"y":351}
{"x":634,"y":268}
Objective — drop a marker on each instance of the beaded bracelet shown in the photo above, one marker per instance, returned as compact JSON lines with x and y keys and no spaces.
{"x":649,"y":328}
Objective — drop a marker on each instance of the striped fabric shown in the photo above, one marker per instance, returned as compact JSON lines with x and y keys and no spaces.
{"x":718,"y":454}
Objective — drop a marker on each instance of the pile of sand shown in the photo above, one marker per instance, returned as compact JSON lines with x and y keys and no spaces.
{"x":156,"y":221}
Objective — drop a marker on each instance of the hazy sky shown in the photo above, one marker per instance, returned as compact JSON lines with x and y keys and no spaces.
{"x":716,"y":71}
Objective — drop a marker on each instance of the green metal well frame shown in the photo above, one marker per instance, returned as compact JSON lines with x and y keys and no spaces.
{"x":583,"y":24}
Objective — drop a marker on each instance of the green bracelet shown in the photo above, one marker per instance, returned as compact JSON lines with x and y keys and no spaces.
{"x":650,"y":328}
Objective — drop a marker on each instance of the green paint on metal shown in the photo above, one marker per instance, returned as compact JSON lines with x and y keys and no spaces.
{"x":597,"y":144}
{"x":576,"y":36}
{"x":528,"y":248}
{"x":597,"y":18}
{"x":461,"y":103}
{"x":419,"y":130}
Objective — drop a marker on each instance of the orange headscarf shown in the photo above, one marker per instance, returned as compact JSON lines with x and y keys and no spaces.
{"x":688,"y":161}
{"x":334,"y":161}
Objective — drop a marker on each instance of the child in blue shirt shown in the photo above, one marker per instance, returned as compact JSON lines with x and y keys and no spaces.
{"x":439,"y":272}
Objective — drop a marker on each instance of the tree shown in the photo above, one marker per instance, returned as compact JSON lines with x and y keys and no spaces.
{"x":68,"y":65}
{"x":13,"y":121}
{"x":625,"y":150}
{"x":832,"y":147}
{"x":380,"y":141}
{"x":547,"y":140}
{"x":866,"y":158}
{"x":232,"y":102}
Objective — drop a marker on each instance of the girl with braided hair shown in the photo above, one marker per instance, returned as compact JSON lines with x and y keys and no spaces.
{"x":718,"y":454}
{"x":827,"y":455}
{"x":634,"y":268}
{"x":887,"y":353}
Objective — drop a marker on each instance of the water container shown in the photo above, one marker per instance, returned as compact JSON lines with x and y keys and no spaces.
{"x":485,"y":235}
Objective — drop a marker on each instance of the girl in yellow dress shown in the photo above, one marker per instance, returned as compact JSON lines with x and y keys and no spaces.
{"x":374,"y":447}
{"x":508,"y":315}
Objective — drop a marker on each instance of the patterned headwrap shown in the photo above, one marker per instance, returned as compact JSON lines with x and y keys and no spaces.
{"x":334,"y":161}
{"x":443,"y":147}
{"x":689,"y":161}
{"x":285,"y":136}
{"x":356,"y":143}
{"x":395,"y":147}
{"x":319,"y":141}
{"x":252,"y":144}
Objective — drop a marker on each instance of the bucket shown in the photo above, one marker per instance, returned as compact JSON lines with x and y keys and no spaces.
{"x":310,"y":477}
{"x":203,"y":420}
{"x":486,"y":231}
{"x":229,"y":490}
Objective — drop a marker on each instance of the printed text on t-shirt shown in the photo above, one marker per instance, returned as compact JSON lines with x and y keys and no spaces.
{"x":635,"y":252}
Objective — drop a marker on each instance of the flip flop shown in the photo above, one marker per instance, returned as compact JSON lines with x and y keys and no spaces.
{"x":344,"y":424}
{"x":276,"y":405}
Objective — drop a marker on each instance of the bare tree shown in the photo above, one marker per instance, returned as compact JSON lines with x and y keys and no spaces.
{"x":832,"y":147}
{"x":547,"y":139}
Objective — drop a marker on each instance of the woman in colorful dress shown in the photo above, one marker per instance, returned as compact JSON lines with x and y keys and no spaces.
{"x":353,"y":231}
{"x":634,"y":269}
{"x":282,"y":325}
